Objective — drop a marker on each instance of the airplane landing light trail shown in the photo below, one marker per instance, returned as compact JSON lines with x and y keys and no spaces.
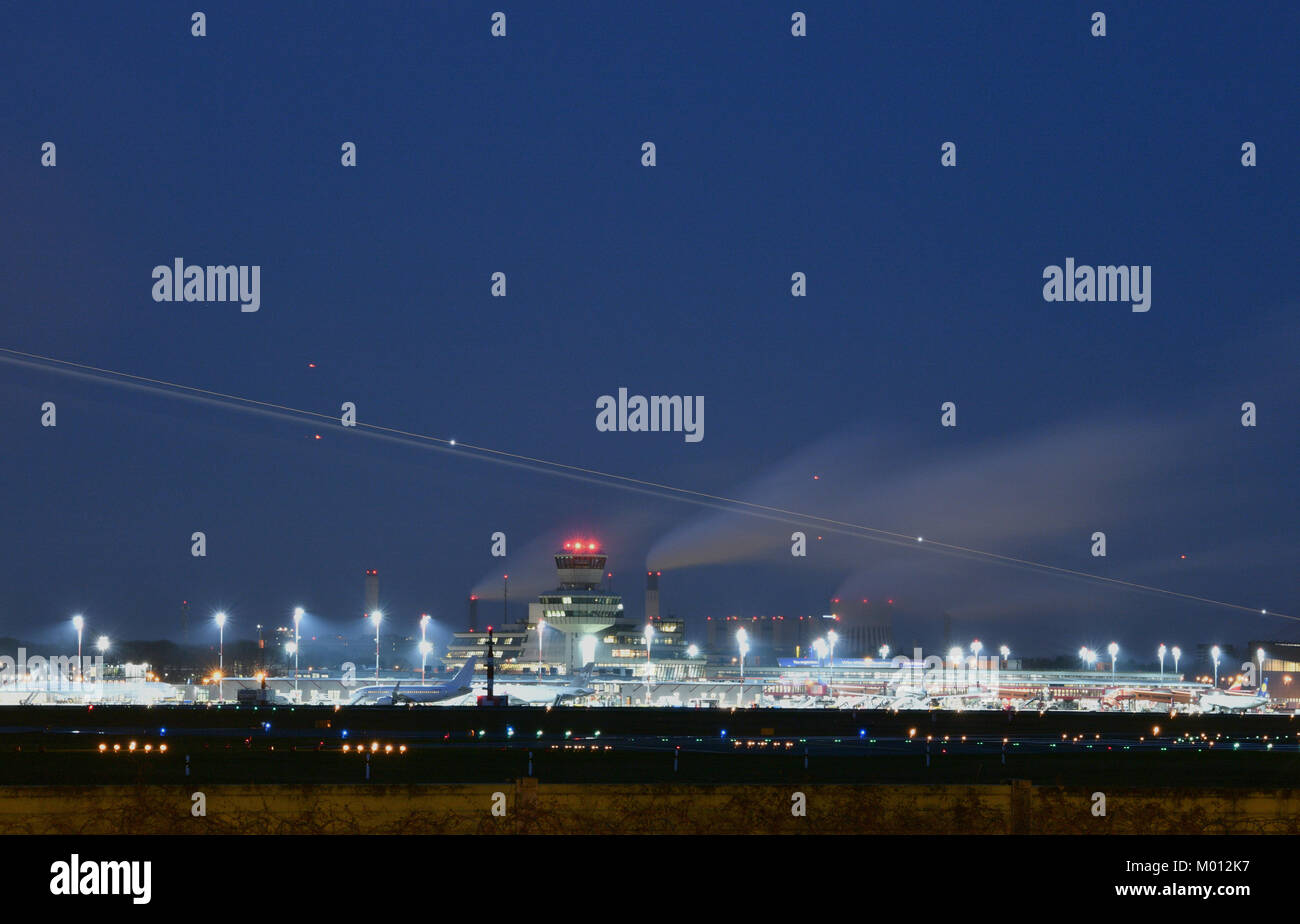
{"x":595,"y":476}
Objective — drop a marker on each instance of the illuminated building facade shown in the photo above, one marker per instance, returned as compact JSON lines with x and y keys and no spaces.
{"x":582,"y":622}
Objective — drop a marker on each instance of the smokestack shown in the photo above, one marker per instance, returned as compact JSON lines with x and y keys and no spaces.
{"x":652,"y":595}
{"x":473,"y":612}
{"x":372,"y":590}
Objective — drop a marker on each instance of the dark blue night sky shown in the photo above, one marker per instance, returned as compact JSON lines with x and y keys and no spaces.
{"x":775,"y":154}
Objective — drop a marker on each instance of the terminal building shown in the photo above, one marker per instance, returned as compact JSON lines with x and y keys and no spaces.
{"x":581,"y":622}
{"x":1280,"y":670}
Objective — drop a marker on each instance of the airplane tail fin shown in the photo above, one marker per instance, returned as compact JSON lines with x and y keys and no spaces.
{"x":584,"y":675}
{"x":466,"y":674}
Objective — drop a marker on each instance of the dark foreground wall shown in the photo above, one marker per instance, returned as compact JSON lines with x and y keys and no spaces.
{"x":527,"y":807}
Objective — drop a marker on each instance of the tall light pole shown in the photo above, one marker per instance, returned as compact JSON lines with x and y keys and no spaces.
{"x":424,"y":625}
{"x":1161,"y":651}
{"x":220,"y":620}
{"x":1113,"y":648}
{"x":884,"y":652}
{"x":78,"y":623}
{"x":102,"y":644}
{"x":1090,"y":658}
{"x":1259,"y":656}
{"x":425,"y":648}
{"x":1214,"y":655}
{"x":376,"y":617}
{"x":292,"y":648}
{"x":831,"y":638}
{"x":649,"y":637}
{"x":975,"y":648}
{"x":1006,"y":655}
{"x":1083,"y":657}
{"x":541,"y":627}
{"x":1177,"y":653}
{"x":742,"y":642}
{"x":297,"y":644}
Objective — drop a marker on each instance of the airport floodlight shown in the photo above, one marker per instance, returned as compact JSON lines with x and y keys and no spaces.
{"x":955,"y":654}
{"x":742,"y":642}
{"x":425,"y":648}
{"x":831,"y":638}
{"x":298,"y":613}
{"x":220,"y":620}
{"x":1177,"y":653}
{"x":587,"y":649}
{"x":102,"y":643}
{"x":1214,"y":656}
{"x":541,"y":629}
{"x":1113,"y":648}
{"x":78,"y":623}
{"x":649,"y":674}
{"x":1259,"y":656}
{"x":377,"y":617}
{"x":884,"y":652}
{"x":693,"y":651}
{"x":1006,"y":654}
{"x":291,"y":648}
{"x":1083,"y":655}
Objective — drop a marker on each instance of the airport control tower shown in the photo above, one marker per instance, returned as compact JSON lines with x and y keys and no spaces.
{"x":577,"y":608}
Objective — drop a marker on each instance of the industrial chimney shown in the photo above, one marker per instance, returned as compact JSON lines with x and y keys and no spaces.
{"x":372,"y":590}
{"x":652,"y":595}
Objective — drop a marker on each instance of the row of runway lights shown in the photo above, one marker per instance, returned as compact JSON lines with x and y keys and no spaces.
{"x":132,"y":747}
{"x":375,"y":746}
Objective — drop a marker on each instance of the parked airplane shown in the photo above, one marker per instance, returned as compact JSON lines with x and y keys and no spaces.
{"x":383,"y":695}
{"x":548,"y":692}
{"x":1234,"y":698}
